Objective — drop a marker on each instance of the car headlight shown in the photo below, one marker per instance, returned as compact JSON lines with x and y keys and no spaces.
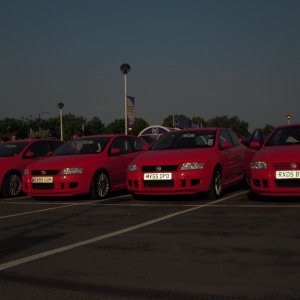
{"x":26,"y":172}
{"x":68,"y":171}
{"x":192,"y":166}
{"x":133,"y":168}
{"x":258,"y":165}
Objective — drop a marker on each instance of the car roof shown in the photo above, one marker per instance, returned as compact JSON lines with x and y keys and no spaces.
{"x":289,"y":125}
{"x":199,"y":129}
{"x":32,"y":140}
{"x":103,"y":135}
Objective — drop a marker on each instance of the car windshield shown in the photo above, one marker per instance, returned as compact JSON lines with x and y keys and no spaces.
{"x":83,"y":146}
{"x":285,"y":136}
{"x":186,"y":139}
{"x":10,"y":149}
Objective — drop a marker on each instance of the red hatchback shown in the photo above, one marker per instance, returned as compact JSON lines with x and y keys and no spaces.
{"x":93,"y":165}
{"x":16,"y":156}
{"x":275,"y":168}
{"x":188,"y":162}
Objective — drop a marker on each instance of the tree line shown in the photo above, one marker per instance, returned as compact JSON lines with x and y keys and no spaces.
{"x":78,"y":125}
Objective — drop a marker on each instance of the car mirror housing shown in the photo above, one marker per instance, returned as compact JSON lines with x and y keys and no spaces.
{"x":115,"y":151}
{"x":29,"y":154}
{"x":255,"y":145}
{"x":226,"y":145}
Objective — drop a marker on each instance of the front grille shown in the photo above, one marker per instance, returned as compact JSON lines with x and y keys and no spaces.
{"x":43,"y":186}
{"x":290,"y":183}
{"x":162,"y":168}
{"x":159,"y":183}
{"x":44,"y":172}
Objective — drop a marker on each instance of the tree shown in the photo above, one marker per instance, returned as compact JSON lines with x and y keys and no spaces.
{"x":93,"y":126}
{"x":138,"y":126}
{"x":171,"y":120}
{"x":10,"y":127}
{"x":268,"y":129}
{"x":199,"y":121}
{"x":240,"y":127}
{"x":117,"y":126}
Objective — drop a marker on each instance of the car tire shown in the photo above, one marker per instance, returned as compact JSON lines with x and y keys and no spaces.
{"x":215,"y":191}
{"x":12,"y":185}
{"x":100,"y":186}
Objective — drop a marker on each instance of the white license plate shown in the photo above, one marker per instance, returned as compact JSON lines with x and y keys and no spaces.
{"x":292,"y":174}
{"x":157,"y":176}
{"x":45,"y":179}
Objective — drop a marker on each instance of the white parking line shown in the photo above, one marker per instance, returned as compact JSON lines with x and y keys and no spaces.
{"x":44,"y":254}
{"x":58,"y":207}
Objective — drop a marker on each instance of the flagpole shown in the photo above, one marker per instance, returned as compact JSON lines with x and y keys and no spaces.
{"x":125,"y":68}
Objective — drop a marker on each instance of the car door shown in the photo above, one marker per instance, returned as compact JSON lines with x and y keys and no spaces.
{"x":121,"y":153}
{"x":232,"y":158}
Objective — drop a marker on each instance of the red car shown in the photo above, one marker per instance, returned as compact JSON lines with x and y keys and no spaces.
{"x":15,"y":156}
{"x":275,"y":168}
{"x":93,"y":165}
{"x":188,"y":161}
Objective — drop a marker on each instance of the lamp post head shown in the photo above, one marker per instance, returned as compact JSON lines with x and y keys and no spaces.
{"x":125,"y":68}
{"x":60,"y":105}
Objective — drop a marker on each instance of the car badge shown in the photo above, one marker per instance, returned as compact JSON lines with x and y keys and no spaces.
{"x":43,"y":172}
{"x":158,"y":168}
{"x":293,"y":165}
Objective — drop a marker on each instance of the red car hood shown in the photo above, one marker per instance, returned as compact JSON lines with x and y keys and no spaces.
{"x":59,"y":162}
{"x":279,"y":153}
{"x":174,"y":156}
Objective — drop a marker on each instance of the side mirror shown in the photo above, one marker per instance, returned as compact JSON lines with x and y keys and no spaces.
{"x":226,"y":145}
{"x":255,"y":145}
{"x":29,"y":154}
{"x":115,"y":151}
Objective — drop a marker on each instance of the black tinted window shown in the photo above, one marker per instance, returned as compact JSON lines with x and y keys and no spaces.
{"x":234,"y":138}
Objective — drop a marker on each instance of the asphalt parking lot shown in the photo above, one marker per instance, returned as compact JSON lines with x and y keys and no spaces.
{"x":174,"y":248}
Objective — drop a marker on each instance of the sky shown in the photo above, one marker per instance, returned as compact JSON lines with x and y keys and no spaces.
{"x":200,"y":58}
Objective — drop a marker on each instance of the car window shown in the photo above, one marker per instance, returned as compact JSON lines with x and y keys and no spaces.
{"x":87,"y":145}
{"x":122,"y":143}
{"x":11,"y":148}
{"x":186,"y":139}
{"x":137,"y":144}
{"x":54,"y":145}
{"x":40,"y":148}
{"x":224,"y":137}
{"x":285,"y":136}
{"x":234,"y":138}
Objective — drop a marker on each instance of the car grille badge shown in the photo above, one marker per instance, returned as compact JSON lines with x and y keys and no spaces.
{"x":293,"y":165}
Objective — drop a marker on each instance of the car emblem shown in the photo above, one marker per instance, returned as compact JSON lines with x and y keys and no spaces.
{"x":158,"y":168}
{"x":293,"y":165}
{"x":43,"y":172}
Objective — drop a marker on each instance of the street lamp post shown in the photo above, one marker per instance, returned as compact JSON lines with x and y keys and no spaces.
{"x":60,"y":106}
{"x":288,"y":118}
{"x":125,"y":68}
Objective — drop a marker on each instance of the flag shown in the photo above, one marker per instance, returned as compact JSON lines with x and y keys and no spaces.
{"x":130,"y":112}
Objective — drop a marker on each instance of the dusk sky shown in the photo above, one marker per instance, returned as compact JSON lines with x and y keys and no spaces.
{"x":201,"y":58}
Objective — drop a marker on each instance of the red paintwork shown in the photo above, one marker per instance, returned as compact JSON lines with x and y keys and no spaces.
{"x":278,"y":157}
{"x":230,"y":159}
{"x":19,"y":161}
{"x":80,"y":184}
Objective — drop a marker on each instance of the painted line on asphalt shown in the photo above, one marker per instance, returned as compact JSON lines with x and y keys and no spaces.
{"x":44,"y":254}
{"x":59,"y":207}
{"x":193,"y":205}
